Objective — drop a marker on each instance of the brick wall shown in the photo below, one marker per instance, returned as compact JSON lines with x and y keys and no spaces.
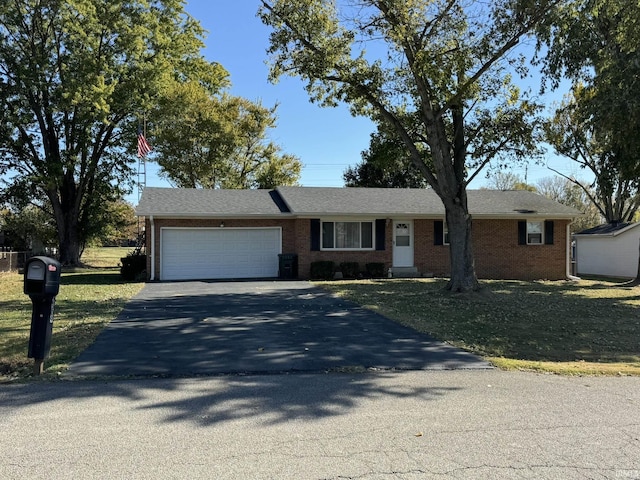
{"x":427,"y":257}
{"x":495,"y":242}
{"x":306,"y":256}
{"x":496,"y":252}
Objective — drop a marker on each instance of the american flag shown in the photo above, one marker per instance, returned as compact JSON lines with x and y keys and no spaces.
{"x":143,"y":146}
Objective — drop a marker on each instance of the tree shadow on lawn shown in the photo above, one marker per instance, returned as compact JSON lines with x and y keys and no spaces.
{"x":595,"y":322}
{"x":92,"y":278}
{"x":539,"y":321}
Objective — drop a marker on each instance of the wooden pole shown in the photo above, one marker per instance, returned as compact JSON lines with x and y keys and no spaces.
{"x":38,"y":366}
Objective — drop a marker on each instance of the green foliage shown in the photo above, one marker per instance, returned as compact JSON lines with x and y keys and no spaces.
{"x":116,"y":225}
{"x":322,"y":270}
{"x":375,"y":269}
{"x":386,"y":164}
{"x":578,"y":135}
{"x":73,"y":77}
{"x":594,"y":43}
{"x":350,"y":269}
{"x":436,"y":73}
{"x":133,"y":265}
{"x":210,"y":141}
{"x":30,"y":228}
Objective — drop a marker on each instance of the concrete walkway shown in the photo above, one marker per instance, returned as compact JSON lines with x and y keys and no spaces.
{"x":216,"y":328}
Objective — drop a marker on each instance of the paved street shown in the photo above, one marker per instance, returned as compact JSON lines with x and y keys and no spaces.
{"x":463,"y":424}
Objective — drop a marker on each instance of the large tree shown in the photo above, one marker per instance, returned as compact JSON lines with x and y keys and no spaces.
{"x":385,"y":164}
{"x":218,"y":141}
{"x":594,"y":43}
{"x":578,"y":135}
{"x":573,"y":193}
{"x":436,"y":71}
{"x":74,"y":74}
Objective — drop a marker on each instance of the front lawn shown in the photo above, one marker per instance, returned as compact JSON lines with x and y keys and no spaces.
{"x":585,"y":327}
{"x":89,"y":298}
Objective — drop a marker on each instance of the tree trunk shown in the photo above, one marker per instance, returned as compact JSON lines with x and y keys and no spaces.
{"x":69,"y":243}
{"x":463,"y":273}
{"x":67,"y":223}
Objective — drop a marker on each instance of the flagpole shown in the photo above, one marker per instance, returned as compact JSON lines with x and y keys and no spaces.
{"x":142,"y":162}
{"x":142,"y":175}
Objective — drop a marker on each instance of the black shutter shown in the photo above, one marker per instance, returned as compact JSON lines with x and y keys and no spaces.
{"x":438,"y":232}
{"x":522,"y":232}
{"x":315,"y":234}
{"x":548,"y":232}
{"x":381,"y":233}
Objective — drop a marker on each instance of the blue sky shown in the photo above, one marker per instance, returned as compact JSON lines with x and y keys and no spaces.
{"x":327,"y":140}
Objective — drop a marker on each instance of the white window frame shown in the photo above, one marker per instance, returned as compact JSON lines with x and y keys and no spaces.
{"x":541,"y":232}
{"x":360,"y":248}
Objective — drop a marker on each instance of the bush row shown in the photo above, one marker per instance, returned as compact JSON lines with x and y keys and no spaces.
{"x":325,"y":270}
{"x":133,"y":266}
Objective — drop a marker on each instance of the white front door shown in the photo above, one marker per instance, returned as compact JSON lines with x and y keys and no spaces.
{"x":403,"y":243}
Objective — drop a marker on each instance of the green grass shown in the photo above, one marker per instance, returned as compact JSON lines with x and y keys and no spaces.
{"x":105,"y":257}
{"x":586,"y":327}
{"x":89,"y":298}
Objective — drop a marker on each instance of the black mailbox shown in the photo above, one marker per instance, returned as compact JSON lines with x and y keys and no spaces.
{"x":42,"y":277}
{"x":42,"y":284}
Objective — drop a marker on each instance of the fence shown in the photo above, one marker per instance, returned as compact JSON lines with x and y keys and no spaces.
{"x":11,"y":261}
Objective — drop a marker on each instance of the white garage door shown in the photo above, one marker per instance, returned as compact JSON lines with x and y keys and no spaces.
{"x":209,"y":253}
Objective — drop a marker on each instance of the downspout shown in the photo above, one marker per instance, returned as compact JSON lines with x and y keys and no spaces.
{"x":152,"y":276}
{"x":571,"y":277}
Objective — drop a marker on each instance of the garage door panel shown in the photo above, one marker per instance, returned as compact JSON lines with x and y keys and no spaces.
{"x":201,"y":253}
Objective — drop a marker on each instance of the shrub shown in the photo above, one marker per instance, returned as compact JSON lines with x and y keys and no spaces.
{"x":132,"y":266}
{"x":322,"y":270}
{"x":349,"y":269}
{"x":375,"y":270}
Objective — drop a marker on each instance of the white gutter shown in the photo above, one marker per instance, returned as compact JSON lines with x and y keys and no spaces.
{"x":153,"y":249}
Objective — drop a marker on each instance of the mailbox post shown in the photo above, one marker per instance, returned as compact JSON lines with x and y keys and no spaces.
{"x":42,"y":284}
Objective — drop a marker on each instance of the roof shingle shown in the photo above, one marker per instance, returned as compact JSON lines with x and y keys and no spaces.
{"x":323,"y":201}
{"x":198,"y":202}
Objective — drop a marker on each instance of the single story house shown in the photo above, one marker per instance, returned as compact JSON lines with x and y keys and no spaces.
{"x":217,"y":234}
{"x":610,"y":249}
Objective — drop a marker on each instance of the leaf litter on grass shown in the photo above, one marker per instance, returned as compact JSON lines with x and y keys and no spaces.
{"x":541,"y":321}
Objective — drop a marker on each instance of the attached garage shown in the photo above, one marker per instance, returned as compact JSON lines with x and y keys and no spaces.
{"x":219,"y":253}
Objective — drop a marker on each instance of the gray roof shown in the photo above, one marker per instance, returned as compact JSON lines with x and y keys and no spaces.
{"x":323,"y":201}
{"x":307,"y":201}
{"x":609,"y":229}
{"x":198,"y":202}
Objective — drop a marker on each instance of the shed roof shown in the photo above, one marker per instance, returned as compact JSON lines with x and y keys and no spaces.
{"x":327,"y":201}
{"x":609,"y":229}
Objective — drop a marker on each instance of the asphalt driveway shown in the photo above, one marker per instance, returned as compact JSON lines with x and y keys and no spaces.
{"x":217,"y":328}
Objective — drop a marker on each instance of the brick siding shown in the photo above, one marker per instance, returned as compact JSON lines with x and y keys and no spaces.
{"x":495,"y":243}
